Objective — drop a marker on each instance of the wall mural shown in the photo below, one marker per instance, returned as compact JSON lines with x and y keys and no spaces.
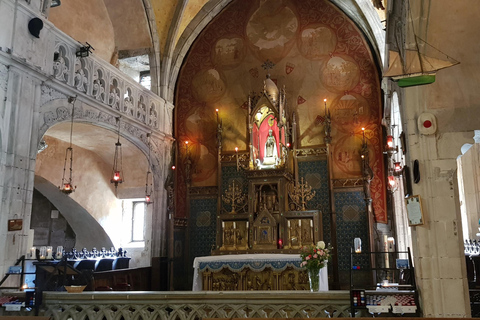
{"x":318,"y":53}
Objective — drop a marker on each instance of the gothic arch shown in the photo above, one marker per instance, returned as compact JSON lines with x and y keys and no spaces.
{"x":361,"y":12}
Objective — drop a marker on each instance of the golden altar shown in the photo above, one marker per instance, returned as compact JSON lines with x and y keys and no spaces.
{"x":242,"y":272}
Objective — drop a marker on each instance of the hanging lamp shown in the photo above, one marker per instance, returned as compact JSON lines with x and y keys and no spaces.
{"x":67,"y":185}
{"x":117,"y":174}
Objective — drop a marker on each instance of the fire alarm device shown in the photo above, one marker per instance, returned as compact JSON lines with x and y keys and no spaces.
{"x":427,"y":123}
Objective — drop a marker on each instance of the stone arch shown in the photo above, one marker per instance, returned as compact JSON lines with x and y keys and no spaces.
{"x":88,"y":231}
{"x":59,"y":111}
{"x":361,"y":12}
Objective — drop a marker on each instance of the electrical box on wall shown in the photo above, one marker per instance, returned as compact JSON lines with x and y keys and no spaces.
{"x":427,"y":123}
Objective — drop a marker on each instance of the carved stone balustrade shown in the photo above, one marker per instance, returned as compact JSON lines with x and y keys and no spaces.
{"x":201,"y":305}
{"x":106,"y":84}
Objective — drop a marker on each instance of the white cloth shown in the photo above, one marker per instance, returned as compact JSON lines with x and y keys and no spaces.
{"x":257,"y":262}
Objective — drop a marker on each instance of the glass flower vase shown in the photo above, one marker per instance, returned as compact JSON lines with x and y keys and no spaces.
{"x":314,"y":279}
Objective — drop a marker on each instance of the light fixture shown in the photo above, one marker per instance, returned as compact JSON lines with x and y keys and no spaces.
{"x":392,"y":183}
{"x":397,"y":168}
{"x":389,"y":148}
{"x":67,"y":185}
{"x":55,"y":3}
{"x":84,"y":51}
{"x":389,"y":142}
{"x":148,"y":192}
{"x":117,"y":161}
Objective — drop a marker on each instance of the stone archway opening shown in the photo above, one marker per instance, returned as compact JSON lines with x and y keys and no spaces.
{"x":93,"y":155}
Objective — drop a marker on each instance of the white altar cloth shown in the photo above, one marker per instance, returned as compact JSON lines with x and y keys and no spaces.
{"x":256,"y":262}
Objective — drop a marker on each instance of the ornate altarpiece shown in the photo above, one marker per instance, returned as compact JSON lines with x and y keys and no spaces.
{"x":272,"y":216}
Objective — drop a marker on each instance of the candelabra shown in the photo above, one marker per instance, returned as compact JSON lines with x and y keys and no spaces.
{"x":367,"y":172}
{"x":233,"y":196}
{"x":301,"y":193}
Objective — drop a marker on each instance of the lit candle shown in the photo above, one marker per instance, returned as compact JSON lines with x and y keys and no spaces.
{"x":49,"y":252}
{"x":391,"y":244}
{"x":33,"y":252}
{"x":357,"y":243}
{"x":363,"y":133}
{"x":187,"y":149}
{"x":216,"y":111}
{"x":59,"y":253}
{"x":236,"y":156}
{"x":325,"y":101}
{"x":43,"y":252}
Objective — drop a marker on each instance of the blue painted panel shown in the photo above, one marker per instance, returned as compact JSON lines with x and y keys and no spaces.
{"x":352,"y":222}
{"x":316,"y":173}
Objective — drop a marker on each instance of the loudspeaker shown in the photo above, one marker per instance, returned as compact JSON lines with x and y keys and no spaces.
{"x":416,"y":171}
{"x":34,"y":26}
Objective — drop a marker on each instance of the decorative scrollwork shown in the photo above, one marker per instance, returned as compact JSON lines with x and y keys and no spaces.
{"x":128,"y":102}
{"x":234,"y":197}
{"x":114,"y":95}
{"x":98,"y":85}
{"x":185,"y":306}
{"x":81,"y":75}
{"x":347,"y":183}
{"x":300,"y":193}
{"x":311,"y":152}
{"x":61,"y":64}
{"x":153,"y":117}
{"x":141,"y":109}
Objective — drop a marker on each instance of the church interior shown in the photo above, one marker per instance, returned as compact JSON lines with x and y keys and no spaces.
{"x":171,"y":144}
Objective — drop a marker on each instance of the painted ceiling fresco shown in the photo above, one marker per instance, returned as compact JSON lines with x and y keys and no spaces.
{"x":318,"y":53}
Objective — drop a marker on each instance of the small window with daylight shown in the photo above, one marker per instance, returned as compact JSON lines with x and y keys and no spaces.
{"x":138,"y":221}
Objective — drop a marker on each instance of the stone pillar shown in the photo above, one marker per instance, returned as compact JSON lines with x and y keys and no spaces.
{"x":19,"y":149}
{"x":437,"y":244}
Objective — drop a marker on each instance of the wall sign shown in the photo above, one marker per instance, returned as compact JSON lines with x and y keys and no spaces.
{"x":414,"y":210}
{"x":15,"y":224}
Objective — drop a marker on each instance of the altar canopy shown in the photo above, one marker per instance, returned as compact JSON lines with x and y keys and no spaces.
{"x":254,"y":262}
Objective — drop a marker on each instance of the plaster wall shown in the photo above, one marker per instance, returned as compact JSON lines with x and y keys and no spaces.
{"x":86,"y":21}
{"x":91,"y":176}
{"x":96,"y":194}
{"x":130,"y":26}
